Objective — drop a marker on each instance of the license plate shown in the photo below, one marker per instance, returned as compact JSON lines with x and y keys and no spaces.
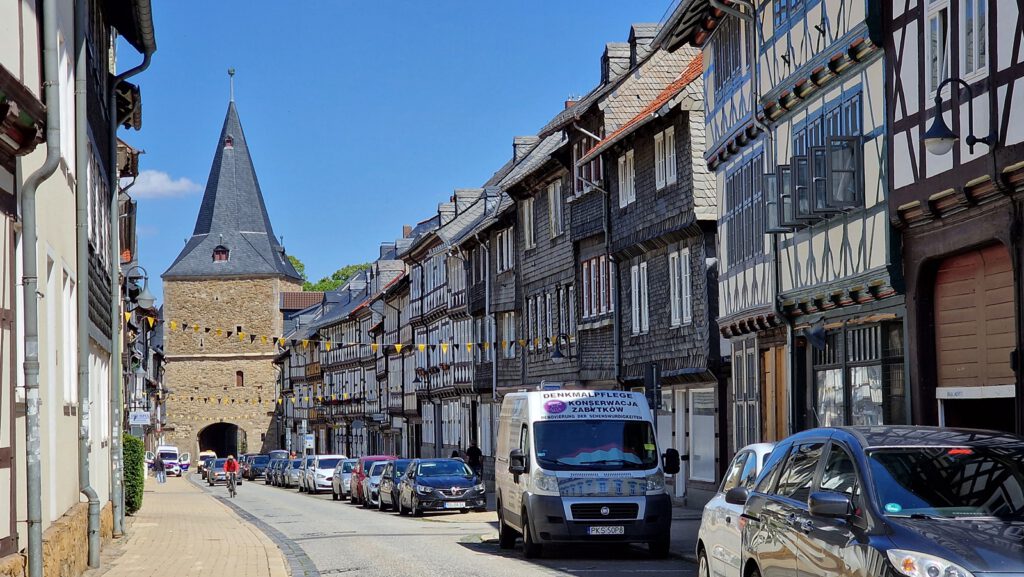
{"x":606,"y":530}
{"x":455,"y":505}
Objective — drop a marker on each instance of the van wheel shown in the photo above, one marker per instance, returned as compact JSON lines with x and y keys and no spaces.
{"x":506,"y":536}
{"x":531,"y":548}
{"x":659,"y":549}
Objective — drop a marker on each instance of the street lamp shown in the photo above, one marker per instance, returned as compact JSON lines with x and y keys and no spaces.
{"x":144,"y":299}
{"x":557,"y":355}
{"x":939,"y":139}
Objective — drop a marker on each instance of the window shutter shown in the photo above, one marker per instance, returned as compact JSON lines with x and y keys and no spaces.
{"x":670,"y":155}
{"x":673,"y":286}
{"x":659,"y":160}
{"x":635,"y":297}
{"x":623,"y":195}
{"x":685,"y":285}
{"x":644,"y":304}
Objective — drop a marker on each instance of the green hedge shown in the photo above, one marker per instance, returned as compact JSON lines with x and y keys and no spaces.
{"x":134,"y":473}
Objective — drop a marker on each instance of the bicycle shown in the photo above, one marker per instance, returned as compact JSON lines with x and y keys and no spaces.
{"x":231,"y":484}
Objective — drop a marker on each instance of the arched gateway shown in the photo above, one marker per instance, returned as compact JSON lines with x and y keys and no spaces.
{"x":227,"y":280}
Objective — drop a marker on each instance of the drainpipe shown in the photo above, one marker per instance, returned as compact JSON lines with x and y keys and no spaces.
{"x":30,"y":284}
{"x":116,"y":387}
{"x":82,"y":229}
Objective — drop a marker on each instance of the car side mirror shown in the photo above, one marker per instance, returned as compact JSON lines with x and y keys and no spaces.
{"x":737,"y":496}
{"x":670,"y":462}
{"x":829,"y":504}
{"x":516,"y":462}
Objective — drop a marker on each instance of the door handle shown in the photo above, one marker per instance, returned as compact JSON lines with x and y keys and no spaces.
{"x":728,"y":520}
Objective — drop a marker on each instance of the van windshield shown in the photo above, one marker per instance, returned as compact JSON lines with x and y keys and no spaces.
{"x":599,"y":444}
{"x":167,"y":456}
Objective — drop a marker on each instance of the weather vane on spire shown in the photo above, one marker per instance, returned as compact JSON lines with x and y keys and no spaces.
{"x":231,"y":80}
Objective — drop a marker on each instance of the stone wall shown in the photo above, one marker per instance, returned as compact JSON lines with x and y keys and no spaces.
{"x":66,"y":544}
{"x":12,"y":565}
{"x":203,"y":368}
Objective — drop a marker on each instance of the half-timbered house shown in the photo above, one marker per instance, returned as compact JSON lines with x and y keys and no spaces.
{"x":795,"y":135}
{"x":956,"y":199}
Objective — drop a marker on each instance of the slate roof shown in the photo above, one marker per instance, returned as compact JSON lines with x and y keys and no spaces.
{"x":298,"y":300}
{"x":645,"y":84}
{"x":538,"y":156}
{"x":232,"y":215}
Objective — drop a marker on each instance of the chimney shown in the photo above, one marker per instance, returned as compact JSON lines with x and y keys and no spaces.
{"x":571,"y":101}
{"x":614,"y":61}
{"x":522,"y":145}
{"x":387,"y":250}
{"x":406,"y":230}
{"x":641,"y":36}
{"x":447,"y":212}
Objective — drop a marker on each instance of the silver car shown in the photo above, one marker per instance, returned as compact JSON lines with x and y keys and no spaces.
{"x":318,"y":475}
{"x":307,"y":465}
{"x":718,"y":541}
{"x":371,"y":485}
{"x":341,"y":480}
{"x":292,"y":475}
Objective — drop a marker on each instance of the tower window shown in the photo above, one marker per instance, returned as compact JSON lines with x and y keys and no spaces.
{"x":221,"y":254}
{"x":239,"y":379}
{"x":229,"y":142}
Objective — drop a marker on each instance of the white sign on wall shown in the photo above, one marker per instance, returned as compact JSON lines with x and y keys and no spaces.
{"x":310,"y":443}
{"x":136,"y":418}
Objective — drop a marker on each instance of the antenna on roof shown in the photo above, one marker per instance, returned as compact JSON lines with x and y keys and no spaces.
{"x":231,"y":81}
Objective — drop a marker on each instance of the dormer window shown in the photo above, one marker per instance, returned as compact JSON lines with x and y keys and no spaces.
{"x":229,"y":142}
{"x":221,"y":254}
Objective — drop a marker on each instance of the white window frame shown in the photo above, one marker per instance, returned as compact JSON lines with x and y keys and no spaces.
{"x":549,"y":319}
{"x":586,"y":289}
{"x":670,"y":155}
{"x":673,"y":289}
{"x":972,"y":70}
{"x":627,"y":179}
{"x":933,"y":10}
{"x":640,"y":305}
{"x":685,"y":287}
{"x":506,"y":256}
{"x":529,"y":231}
{"x":634,"y":275}
{"x":509,"y":334}
{"x":603,"y":285}
{"x":556,"y":215}
{"x":572,"y":310}
{"x":659,"y":160}
{"x":538,"y":316}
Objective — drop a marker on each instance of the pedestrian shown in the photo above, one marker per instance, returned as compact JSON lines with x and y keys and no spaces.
{"x":475,"y":458}
{"x":159,"y":469}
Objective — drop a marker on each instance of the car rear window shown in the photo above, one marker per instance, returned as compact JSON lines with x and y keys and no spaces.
{"x":347,"y":467}
{"x":261,"y":460}
{"x":328,"y":463}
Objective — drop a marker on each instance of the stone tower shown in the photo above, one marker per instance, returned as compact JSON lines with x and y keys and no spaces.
{"x":229,"y":276}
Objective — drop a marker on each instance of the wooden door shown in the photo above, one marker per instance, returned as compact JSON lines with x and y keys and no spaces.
{"x":775,"y":407}
{"x":974,"y":319}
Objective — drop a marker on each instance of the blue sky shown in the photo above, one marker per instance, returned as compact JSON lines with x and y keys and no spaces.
{"x":360,"y":116}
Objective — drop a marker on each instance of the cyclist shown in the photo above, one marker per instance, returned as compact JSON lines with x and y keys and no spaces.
{"x":231,"y":471}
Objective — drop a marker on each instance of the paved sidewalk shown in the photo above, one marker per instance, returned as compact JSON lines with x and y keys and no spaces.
{"x":182,"y":531}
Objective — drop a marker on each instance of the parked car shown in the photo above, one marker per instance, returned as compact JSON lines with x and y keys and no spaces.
{"x":341,"y":480}
{"x":371,"y":484}
{"x":203,"y":457}
{"x":268,"y":476}
{"x":244,"y":463}
{"x":292,"y":475}
{"x":307,"y":466}
{"x":359,"y":473}
{"x":718,"y":540}
{"x":898,"y":500}
{"x":440,"y":485}
{"x":204,"y":465}
{"x":320,"y":474}
{"x":215,"y":474}
{"x":389,"y":481}
{"x":280,"y":466}
{"x":257,"y":467}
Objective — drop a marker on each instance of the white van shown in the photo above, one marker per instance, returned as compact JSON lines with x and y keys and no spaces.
{"x":170,"y":455}
{"x":581,"y":466}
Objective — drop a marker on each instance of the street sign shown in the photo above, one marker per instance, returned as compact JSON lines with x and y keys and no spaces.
{"x":310,"y":443}
{"x":138,"y":418}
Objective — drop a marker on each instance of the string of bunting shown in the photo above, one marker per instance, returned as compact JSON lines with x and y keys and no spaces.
{"x":328,"y":344}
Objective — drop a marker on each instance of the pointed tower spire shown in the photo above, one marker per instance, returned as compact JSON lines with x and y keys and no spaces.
{"x":231,"y":81}
{"x":233,"y":235}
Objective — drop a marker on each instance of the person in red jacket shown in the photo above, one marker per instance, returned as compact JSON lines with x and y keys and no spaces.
{"x":231,"y":472}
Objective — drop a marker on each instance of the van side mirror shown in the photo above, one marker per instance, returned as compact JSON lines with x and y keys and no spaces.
{"x":670,"y":462}
{"x":516,"y":462}
{"x":829,"y":504}
{"x":737,"y":496}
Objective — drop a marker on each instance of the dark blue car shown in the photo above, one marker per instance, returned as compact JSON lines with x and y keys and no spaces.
{"x":440,"y":485}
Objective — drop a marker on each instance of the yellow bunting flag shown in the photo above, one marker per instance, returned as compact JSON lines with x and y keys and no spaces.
{"x":398,"y":347}
{"x":487,"y":345}
{"x":241,"y":337}
{"x":152,"y":321}
{"x":174,"y":325}
{"x":522,"y":342}
{"x":504,"y":345}
{"x":373,"y":348}
{"x":263,"y":339}
{"x":444,"y":348}
{"x":469,"y":347}
{"x":327,"y":345}
{"x":195,"y":328}
{"x":127,"y":316}
{"x":421,"y":347}
{"x":305,"y":343}
{"x":219,"y":332}
{"x":536,"y":342}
